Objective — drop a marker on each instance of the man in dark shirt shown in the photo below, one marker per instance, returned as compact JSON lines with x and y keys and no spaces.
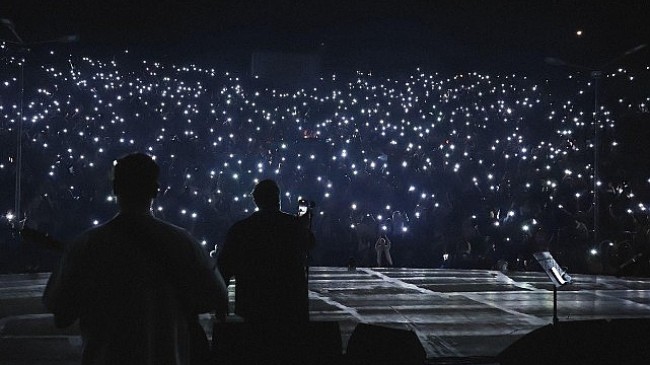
{"x":266,"y":253}
{"x":136,"y":283}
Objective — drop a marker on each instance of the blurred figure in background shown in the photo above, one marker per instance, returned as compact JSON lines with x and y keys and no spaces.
{"x":382,"y":246}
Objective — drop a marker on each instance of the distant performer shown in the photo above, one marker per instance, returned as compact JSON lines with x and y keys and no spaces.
{"x":382,"y":246}
{"x":266,"y":253}
{"x":136,"y":283}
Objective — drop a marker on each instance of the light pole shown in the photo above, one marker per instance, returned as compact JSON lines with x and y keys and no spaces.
{"x":596,"y":74}
{"x":19,"y":129}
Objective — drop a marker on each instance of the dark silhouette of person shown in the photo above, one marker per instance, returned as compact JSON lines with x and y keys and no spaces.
{"x":136,"y":283}
{"x":266,"y":253}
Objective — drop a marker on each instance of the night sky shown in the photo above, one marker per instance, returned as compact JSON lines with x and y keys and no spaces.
{"x":390,"y":35}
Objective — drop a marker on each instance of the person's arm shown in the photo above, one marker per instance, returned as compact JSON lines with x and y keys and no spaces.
{"x":226,"y":257}
{"x":226,"y":261}
{"x":210,"y":292}
{"x":221,"y":311}
{"x":64,"y":290}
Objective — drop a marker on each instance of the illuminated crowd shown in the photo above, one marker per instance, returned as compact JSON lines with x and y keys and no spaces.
{"x":467,"y":170}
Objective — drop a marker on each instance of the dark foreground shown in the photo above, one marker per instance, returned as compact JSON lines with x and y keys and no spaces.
{"x":467,"y":316}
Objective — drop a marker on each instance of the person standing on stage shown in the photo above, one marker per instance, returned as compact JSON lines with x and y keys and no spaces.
{"x":137,"y":283}
{"x":382,"y":246}
{"x":266,"y":254}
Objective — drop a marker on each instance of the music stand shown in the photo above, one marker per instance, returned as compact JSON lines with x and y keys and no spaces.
{"x":558,"y":276}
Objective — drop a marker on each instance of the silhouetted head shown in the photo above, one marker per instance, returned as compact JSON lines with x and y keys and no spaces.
{"x":135,"y":180}
{"x":267,"y":195}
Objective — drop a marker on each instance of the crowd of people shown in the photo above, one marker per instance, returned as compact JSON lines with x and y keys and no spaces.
{"x":470,"y":170}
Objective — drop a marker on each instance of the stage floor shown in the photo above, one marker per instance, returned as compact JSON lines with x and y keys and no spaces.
{"x":455,"y":313}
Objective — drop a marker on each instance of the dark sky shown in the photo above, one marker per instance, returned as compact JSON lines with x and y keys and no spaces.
{"x":448,"y":34}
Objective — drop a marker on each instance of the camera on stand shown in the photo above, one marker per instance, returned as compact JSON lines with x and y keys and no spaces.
{"x":305,"y":206}
{"x":305,"y":209}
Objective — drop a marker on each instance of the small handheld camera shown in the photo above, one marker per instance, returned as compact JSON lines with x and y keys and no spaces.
{"x":305,"y":206}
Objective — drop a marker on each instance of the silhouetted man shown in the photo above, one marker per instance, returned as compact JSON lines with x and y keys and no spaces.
{"x":136,"y":283}
{"x":266,"y":254}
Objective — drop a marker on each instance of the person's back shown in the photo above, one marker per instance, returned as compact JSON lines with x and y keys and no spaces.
{"x":271,"y":282}
{"x":136,"y":284}
{"x":136,"y":273}
{"x":266,"y":254}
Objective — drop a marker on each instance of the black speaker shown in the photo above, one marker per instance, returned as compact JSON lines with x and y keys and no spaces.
{"x":317,"y":343}
{"x":370,"y":344}
{"x":618,"y":341}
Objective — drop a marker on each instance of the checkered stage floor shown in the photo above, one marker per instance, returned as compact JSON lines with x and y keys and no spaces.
{"x":455,"y":313}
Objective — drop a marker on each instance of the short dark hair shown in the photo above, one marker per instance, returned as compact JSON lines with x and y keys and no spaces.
{"x":267,"y":194}
{"x":135,"y":177}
